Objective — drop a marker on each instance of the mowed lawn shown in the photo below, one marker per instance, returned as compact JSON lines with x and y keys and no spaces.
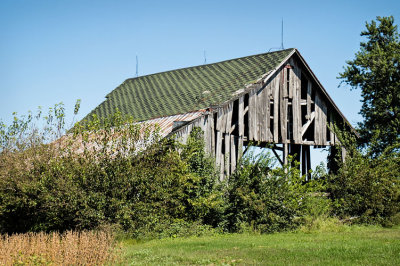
{"x":355,"y":246}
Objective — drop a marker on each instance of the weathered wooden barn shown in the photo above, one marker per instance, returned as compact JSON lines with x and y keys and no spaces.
{"x":271,"y":100}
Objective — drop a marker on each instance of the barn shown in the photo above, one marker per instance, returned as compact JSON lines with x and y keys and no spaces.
{"x":269,"y":100}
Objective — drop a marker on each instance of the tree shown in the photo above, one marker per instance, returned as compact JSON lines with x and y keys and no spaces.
{"x":376,"y":71}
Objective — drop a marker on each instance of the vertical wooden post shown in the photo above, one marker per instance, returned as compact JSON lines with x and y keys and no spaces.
{"x":276,"y":107}
{"x":218,"y":152}
{"x":308,"y":155}
{"x":285,"y":154}
{"x":227,"y":153}
{"x":233,"y":153}
{"x":303,"y":160}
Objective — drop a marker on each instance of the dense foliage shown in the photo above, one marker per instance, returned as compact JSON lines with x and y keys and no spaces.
{"x":367,"y":190}
{"x":268,"y":199}
{"x":376,"y":71}
{"x":102,"y":173}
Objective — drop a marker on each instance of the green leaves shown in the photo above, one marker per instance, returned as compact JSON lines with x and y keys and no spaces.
{"x":376,"y":71}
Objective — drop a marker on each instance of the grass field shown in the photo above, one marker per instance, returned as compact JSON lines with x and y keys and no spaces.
{"x":350,"y":246}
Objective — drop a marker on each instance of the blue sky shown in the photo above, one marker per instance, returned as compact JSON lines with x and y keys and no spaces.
{"x":61,"y":51}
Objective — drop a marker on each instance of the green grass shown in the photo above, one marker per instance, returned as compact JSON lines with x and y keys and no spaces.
{"x":351,"y":246}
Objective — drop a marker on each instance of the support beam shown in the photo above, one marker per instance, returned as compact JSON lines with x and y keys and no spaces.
{"x":285,"y":153}
{"x":234,"y":152}
{"x":277,"y":156}
{"x":307,"y":124}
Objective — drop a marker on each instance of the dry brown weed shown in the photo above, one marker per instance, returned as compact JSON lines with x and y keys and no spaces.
{"x":70,"y":248}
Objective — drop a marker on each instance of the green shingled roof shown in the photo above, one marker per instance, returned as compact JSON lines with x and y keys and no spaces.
{"x":187,"y":89}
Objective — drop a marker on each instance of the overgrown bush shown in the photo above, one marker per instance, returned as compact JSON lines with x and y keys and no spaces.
{"x":269,"y":200}
{"x":96,"y":175}
{"x":367,"y":189}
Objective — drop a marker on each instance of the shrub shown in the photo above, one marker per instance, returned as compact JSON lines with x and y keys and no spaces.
{"x":367,"y":189}
{"x":266,"y":199}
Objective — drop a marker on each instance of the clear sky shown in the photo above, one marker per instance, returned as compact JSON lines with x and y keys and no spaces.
{"x":61,"y":51}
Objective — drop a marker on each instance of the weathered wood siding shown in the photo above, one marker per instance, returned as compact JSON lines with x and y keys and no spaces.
{"x":289,"y":108}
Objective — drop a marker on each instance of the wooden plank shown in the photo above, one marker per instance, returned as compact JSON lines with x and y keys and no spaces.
{"x":220,"y":116}
{"x":218,"y":150}
{"x":212,"y":133}
{"x":309,"y":92}
{"x":207,"y":134}
{"x":263,"y":114}
{"x":240,"y":148}
{"x":291,"y":82}
{"x":324,"y":127}
{"x":222,"y":168}
{"x":308,"y":142}
{"x":241,"y":115}
{"x":261,"y":121}
{"x":296,"y":107}
{"x":228,"y":117}
{"x":227,"y":158}
{"x":275,"y":88}
{"x":223,"y":118}
{"x":307,"y":124}
{"x":308,"y":157}
{"x":284,"y":85}
{"x":317,"y":123}
{"x":283,"y":102}
{"x":268,"y":112}
{"x":253,"y":125}
{"x":233,"y":153}
{"x":246,"y":110}
{"x":285,"y":154}
{"x":251,"y":113}
{"x":254,"y":112}
{"x":331,"y":125}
